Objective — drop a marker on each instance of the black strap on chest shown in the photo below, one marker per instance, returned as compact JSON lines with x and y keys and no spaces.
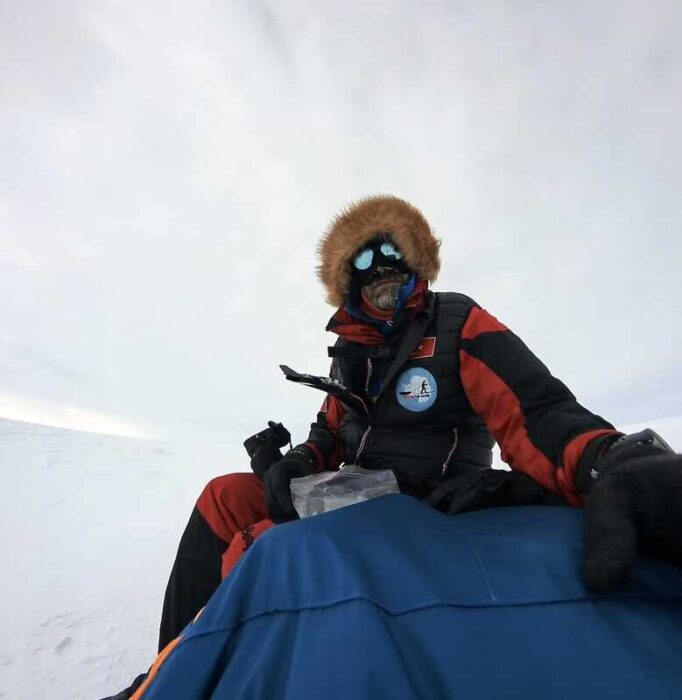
{"x":414,"y":333}
{"x":361,"y":352}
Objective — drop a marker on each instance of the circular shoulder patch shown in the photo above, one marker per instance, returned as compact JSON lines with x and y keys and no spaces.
{"x":416,"y":389}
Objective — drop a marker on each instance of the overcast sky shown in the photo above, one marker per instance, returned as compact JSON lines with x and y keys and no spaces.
{"x":166,"y":169}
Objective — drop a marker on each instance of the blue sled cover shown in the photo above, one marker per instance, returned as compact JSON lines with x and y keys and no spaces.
{"x":391,"y":599}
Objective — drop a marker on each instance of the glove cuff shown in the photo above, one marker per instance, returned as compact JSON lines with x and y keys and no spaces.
{"x":596,"y":449}
{"x":605,"y":453}
{"x":302,"y":453}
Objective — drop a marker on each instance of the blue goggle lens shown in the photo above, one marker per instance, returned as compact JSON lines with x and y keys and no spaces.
{"x":388,"y":250}
{"x":363,"y":260}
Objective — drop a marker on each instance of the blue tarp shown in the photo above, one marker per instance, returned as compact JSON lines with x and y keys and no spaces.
{"x":391,"y":599}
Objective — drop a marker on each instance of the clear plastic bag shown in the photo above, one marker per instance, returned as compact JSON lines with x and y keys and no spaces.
{"x":320,"y":493}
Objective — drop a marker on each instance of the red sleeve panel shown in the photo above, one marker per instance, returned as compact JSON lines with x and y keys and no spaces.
{"x":541,"y":429}
{"x":324,"y":439}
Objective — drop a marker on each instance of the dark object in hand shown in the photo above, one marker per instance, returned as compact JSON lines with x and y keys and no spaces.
{"x":263,"y":448}
{"x":634,"y":504}
{"x":296,"y":463}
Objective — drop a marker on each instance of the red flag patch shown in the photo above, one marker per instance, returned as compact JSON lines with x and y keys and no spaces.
{"x":426,"y":348}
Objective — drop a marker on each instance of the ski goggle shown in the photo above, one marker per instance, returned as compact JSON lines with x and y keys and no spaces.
{"x":364,"y":258}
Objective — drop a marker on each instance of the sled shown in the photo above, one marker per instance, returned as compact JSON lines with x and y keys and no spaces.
{"x":392,"y":599}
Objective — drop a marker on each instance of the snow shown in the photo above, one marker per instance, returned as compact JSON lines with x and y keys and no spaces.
{"x":90,"y":527}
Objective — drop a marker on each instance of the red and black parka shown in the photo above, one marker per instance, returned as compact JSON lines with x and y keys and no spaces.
{"x":435,"y":396}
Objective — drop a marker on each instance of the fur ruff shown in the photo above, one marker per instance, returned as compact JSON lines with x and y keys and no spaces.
{"x":359,"y":223}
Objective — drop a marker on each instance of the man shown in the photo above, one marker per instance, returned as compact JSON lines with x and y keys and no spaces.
{"x":423,"y":383}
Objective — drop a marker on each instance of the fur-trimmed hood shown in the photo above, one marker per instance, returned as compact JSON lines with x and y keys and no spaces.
{"x":359,"y":223}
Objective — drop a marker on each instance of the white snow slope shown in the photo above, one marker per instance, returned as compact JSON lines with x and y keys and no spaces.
{"x":90,"y":525}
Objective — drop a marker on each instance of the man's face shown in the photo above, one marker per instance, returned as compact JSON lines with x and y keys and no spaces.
{"x":383,"y":291}
{"x":381,"y":272}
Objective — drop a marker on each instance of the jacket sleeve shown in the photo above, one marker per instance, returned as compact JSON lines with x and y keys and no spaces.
{"x":324,"y":440}
{"x":541,"y":429}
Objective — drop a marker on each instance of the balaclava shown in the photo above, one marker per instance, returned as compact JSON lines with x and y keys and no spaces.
{"x":378,"y":273}
{"x":403,"y":249}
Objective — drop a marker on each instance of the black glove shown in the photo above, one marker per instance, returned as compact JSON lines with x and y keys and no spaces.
{"x":634,"y":503}
{"x":489,"y":488}
{"x":263,"y":447}
{"x":296,"y":463}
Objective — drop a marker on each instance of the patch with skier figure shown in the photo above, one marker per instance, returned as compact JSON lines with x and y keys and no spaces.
{"x":416,"y":389}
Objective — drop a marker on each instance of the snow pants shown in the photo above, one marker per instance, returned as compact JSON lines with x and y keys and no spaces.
{"x":230,"y":514}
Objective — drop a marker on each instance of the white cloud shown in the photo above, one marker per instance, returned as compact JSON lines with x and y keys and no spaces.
{"x":167,"y":171}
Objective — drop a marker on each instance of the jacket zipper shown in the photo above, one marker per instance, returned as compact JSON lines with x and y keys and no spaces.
{"x":363,"y":440}
{"x":449,"y":457}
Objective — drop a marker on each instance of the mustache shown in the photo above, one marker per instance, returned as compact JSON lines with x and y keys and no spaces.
{"x":385,"y":274}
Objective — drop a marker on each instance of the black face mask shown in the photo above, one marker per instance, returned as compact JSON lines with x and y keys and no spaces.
{"x":379,"y":252}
